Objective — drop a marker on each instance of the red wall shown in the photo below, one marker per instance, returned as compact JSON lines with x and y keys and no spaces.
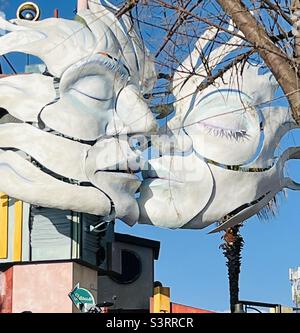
{"x":6,"y":295}
{"x":179,"y":308}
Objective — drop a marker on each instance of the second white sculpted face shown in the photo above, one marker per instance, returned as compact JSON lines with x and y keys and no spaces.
{"x":219,"y":163}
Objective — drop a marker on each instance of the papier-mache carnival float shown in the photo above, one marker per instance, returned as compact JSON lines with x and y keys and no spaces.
{"x":69,"y":170}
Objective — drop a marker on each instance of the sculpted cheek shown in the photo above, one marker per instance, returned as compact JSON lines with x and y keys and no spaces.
{"x":175,"y":192}
{"x":77,"y":116}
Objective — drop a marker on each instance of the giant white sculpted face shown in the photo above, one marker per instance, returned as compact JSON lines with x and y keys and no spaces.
{"x":65,"y":134}
{"x":218,"y":161}
{"x":63,"y":143}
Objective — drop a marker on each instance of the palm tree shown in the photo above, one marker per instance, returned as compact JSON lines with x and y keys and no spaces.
{"x":232,"y":248}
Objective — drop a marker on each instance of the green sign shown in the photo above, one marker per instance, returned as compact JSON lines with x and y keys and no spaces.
{"x":82,"y":298}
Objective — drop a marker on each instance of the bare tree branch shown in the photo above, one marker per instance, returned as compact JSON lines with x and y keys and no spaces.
{"x":182,"y":17}
{"x":211,"y":79}
{"x":274,"y":57}
{"x":279,"y":10}
{"x":128,"y":6}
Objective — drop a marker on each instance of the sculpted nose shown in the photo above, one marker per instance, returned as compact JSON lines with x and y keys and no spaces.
{"x":112,"y":154}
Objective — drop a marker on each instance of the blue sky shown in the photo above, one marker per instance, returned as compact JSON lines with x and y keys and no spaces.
{"x":191,"y":262}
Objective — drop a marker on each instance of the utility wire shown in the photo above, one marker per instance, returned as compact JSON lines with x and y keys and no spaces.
{"x":9,"y":64}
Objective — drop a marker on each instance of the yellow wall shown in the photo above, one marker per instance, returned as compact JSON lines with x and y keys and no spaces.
{"x":3,"y":226}
{"x":161,"y":300}
{"x":11,"y":229}
{"x":18,"y":230}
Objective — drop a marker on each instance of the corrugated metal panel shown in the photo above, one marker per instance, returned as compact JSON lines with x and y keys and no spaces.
{"x":51,"y":234}
{"x":29,"y":233}
{"x":90,"y":242}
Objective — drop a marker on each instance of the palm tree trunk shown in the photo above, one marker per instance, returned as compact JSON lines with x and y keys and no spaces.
{"x":232,"y":248}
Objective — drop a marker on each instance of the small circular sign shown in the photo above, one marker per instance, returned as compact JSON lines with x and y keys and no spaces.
{"x":28,"y":11}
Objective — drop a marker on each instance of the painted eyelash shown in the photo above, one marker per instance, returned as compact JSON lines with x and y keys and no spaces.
{"x":115,"y":67}
{"x":223,"y":132}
